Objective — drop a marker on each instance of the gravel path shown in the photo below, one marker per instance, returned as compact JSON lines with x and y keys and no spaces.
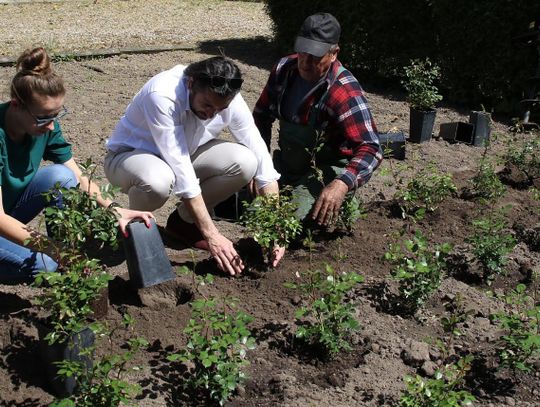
{"x":77,"y":26}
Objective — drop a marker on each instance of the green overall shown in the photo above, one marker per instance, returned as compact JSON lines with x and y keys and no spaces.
{"x":297,"y":145}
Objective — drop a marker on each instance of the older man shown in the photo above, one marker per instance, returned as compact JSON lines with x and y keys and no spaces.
{"x":324,"y":122}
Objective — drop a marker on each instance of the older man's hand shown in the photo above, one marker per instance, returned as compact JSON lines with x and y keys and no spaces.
{"x":326,"y":208}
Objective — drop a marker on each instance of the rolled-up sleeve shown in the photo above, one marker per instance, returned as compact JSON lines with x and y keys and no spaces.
{"x":243,"y":129}
{"x":169,"y":137}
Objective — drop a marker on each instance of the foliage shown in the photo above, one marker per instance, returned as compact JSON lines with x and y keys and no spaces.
{"x":418,"y":269}
{"x":218,"y":340}
{"x":443,"y":390}
{"x":424,"y":192}
{"x":521,"y":343}
{"x":491,"y":244}
{"x":81,"y":217}
{"x":525,"y":157}
{"x":102,"y":385}
{"x":69,"y":295}
{"x":420,"y":75}
{"x":350,"y":212}
{"x":380,"y":37}
{"x":486,"y":185}
{"x":271,"y":220}
{"x":456,"y":315}
{"x":328,"y":320}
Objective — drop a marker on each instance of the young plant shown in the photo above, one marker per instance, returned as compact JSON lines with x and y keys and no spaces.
{"x":350,"y":212}
{"x":491,"y":243}
{"x":457,"y":315}
{"x":521,"y":343}
{"x":81,"y":218}
{"x":526,"y":158}
{"x":68,"y":295}
{"x":486,"y":185}
{"x":271,"y":220}
{"x":219,"y":338}
{"x":443,"y":390}
{"x":418,"y":269}
{"x":103,"y":384}
{"x":424,"y":192}
{"x":419,"y":80}
{"x":327,"y":320}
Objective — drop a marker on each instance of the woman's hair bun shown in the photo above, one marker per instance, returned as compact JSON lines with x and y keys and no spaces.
{"x":34,"y":62}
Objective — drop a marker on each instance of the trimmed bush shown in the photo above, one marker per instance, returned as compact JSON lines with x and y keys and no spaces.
{"x":470,"y":41}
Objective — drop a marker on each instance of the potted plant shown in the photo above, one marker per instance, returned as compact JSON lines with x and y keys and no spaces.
{"x":422,"y":95}
{"x":80,"y":283}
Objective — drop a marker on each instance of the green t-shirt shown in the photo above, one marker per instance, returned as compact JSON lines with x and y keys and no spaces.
{"x":20,"y":162}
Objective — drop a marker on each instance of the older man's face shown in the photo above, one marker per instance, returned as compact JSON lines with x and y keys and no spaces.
{"x":312,"y":68}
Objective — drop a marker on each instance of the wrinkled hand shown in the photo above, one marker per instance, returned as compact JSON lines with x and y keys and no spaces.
{"x":226,"y":256}
{"x":127,"y":215}
{"x":276,"y":255}
{"x":326,"y":208}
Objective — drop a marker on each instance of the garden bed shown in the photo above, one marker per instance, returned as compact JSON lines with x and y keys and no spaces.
{"x":390,"y":344}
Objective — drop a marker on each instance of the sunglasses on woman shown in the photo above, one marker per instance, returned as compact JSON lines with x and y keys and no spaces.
{"x":44,"y":120}
{"x":216,"y":81}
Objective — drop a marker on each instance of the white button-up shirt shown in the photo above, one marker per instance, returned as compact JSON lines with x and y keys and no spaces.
{"x":160,"y":121}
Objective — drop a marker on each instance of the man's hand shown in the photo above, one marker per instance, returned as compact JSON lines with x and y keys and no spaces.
{"x":225,"y":255}
{"x":276,"y":255}
{"x":326,"y":208}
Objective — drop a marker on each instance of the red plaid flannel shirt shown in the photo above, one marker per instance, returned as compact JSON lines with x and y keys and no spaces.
{"x":345,"y":117}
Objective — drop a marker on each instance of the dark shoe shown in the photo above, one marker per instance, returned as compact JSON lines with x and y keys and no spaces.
{"x":187,"y":233}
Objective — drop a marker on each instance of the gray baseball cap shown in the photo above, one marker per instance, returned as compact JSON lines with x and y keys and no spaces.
{"x":318,"y":33}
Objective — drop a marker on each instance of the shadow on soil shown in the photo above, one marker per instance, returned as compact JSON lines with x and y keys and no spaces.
{"x":256,"y":51}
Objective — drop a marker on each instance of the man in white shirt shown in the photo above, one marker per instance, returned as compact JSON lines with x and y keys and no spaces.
{"x":166,"y":142}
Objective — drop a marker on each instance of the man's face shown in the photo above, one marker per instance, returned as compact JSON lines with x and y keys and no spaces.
{"x":206,"y":104}
{"x":312,"y":68}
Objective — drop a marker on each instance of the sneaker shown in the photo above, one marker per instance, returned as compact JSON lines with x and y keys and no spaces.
{"x":185,"y":232}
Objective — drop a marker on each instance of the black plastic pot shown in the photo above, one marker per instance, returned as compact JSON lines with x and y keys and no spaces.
{"x":421,"y":125}
{"x":393,"y":144}
{"x":147,"y":261}
{"x":457,"y":132}
{"x":69,"y":350}
{"x":482,"y":127}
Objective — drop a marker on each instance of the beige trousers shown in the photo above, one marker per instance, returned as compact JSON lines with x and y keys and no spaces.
{"x":222,"y":167}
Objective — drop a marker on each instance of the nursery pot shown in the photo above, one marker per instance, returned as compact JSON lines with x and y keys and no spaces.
{"x":457,"y":132}
{"x":68,"y":350}
{"x":421,"y":125}
{"x":147,"y":261}
{"x":482,"y":127}
{"x":393,"y":144}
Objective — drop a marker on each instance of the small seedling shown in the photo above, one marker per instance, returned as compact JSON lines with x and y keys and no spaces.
{"x":486,"y":185}
{"x":327,"y":320}
{"x":425,"y":192}
{"x":491,"y":243}
{"x":271,"y":221}
{"x":521,"y":343}
{"x":443,"y":390}
{"x":218,"y":339}
{"x":81,"y":217}
{"x":103,"y":384}
{"x":525,"y":156}
{"x":457,"y":315}
{"x":350,"y":212}
{"x":418,"y":269}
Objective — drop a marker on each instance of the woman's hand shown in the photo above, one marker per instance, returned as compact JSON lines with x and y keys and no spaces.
{"x":276,"y":255}
{"x":127,"y":215}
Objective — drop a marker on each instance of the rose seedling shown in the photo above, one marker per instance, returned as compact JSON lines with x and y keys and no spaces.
{"x":218,"y":339}
{"x":327,"y":320}
{"x":418,"y":269}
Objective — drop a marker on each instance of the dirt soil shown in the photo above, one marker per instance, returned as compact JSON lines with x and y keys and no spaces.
{"x":389,"y":345}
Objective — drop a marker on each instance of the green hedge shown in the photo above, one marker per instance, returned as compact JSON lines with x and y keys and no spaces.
{"x":470,"y":40}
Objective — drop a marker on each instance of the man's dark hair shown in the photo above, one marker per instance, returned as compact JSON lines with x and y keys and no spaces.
{"x":220,"y":67}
